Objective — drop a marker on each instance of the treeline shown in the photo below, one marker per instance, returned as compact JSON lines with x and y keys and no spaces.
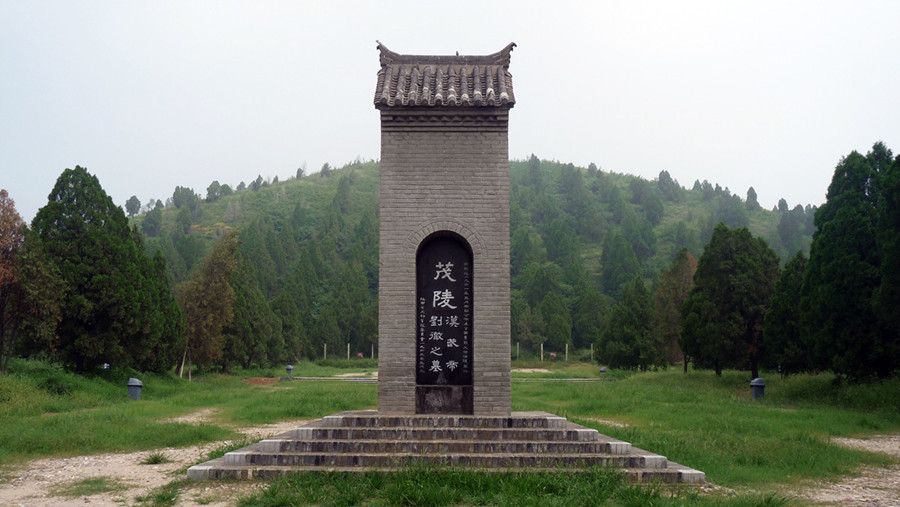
{"x":836,"y":310}
{"x":644,"y":272}
{"x":293,"y":272}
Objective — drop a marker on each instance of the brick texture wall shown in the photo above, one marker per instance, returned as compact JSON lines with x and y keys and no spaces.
{"x":444,"y":171}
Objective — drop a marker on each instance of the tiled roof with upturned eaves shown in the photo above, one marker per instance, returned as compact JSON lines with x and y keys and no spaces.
{"x":444,"y":81}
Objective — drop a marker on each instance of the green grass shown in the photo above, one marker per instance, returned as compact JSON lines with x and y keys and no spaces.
{"x":156,"y":458}
{"x":45,"y":411}
{"x":454,"y":486}
{"x":87,"y":487}
{"x":163,"y":496}
{"x":712,"y":424}
{"x":709,"y":423}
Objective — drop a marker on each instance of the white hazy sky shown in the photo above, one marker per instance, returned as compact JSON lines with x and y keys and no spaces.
{"x":152,"y":94}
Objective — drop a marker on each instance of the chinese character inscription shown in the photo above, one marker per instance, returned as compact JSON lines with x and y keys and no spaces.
{"x":444,"y":313}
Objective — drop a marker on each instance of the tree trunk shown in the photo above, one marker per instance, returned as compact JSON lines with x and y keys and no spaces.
{"x":718,"y":369}
{"x":181,"y":364}
{"x":754,"y":368}
{"x":685,"y":363}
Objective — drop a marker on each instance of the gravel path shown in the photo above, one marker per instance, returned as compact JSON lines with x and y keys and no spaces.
{"x":873,"y":486}
{"x":29,"y":485}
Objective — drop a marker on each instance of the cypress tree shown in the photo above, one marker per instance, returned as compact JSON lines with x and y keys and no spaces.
{"x":838,"y":317}
{"x":619,"y":263}
{"x":725,"y":311}
{"x":887,"y":298}
{"x":112,"y":311}
{"x":629,"y":340}
{"x":784,"y":337}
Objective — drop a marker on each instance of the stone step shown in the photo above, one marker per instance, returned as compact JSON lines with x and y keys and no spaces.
{"x":218,"y":470}
{"x":370,"y":419}
{"x":573,"y":434}
{"x":254,"y":457}
{"x":364,"y":440}
{"x":443,"y":446}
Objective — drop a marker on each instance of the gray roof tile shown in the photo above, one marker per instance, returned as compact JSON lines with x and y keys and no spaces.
{"x":444,"y":81}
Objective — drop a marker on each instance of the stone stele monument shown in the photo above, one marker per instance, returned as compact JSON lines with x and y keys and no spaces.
{"x":443,"y":321}
{"x":444,"y":354}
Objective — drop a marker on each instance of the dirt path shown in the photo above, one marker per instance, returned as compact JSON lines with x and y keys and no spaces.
{"x":873,"y":486}
{"x":30,"y":485}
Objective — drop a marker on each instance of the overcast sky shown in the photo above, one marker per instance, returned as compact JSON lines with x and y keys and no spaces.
{"x":152,"y":94}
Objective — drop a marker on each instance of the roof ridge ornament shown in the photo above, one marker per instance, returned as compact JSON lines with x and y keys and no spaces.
{"x":500,"y":58}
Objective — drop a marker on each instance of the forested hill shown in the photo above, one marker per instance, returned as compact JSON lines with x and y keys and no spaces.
{"x":307,"y":269}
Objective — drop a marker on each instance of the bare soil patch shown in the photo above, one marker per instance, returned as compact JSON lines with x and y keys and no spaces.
{"x":872,"y":487}
{"x":29,"y":484}
{"x":607,"y":422}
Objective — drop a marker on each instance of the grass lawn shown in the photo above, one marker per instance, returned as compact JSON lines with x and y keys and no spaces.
{"x":706,"y":422}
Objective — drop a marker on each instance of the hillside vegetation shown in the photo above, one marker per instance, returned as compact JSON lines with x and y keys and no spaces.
{"x":310,"y":244}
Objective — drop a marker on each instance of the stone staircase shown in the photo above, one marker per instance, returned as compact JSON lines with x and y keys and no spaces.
{"x":364,"y":440}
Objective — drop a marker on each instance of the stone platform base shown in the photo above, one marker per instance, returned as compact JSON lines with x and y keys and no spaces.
{"x":364,"y":440}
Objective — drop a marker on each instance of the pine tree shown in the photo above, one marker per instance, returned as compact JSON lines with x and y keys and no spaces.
{"x":557,"y":318}
{"x":33,"y":305}
{"x":619,"y":263}
{"x":752,"y":204}
{"x":887,"y":298}
{"x":674,"y":286}
{"x":254,"y":336}
{"x":589,"y":317}
{"x":207,"y":302}
{"x":784,"y":336}
{"x":292,"y":330}
{"x":87,"y":238}
{"x":629,"y":340}
{"x":133,"y":205}
{"x":844,"y":272}
{"x":639,"y":233}
{"x":725,"y":311}
{"x":153,"y":221}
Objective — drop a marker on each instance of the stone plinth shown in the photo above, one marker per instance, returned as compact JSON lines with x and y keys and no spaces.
{"x":366,"y":440}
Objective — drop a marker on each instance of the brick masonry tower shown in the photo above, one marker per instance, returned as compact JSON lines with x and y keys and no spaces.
{"x":444,"y":252}
{"x":444,"y":363}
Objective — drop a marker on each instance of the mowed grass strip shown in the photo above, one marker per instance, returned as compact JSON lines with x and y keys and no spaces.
{"x":712,"y":424}
{"x":45,"y":411}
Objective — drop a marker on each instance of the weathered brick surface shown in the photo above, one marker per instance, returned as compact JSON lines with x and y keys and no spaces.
{"x":444,"y":171}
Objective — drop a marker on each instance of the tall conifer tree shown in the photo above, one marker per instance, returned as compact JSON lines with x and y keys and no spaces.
{"x":725,"y":311}
{"x":844,"y":272}
{"x":110,"y":312}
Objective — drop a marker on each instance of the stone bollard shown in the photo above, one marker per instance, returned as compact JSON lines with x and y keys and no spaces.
{"x":758,"y":388}
{"x":134,"y":388}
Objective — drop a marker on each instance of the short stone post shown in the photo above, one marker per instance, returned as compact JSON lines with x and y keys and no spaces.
{"x":758,"y":388}
{"x":134,"y":388}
